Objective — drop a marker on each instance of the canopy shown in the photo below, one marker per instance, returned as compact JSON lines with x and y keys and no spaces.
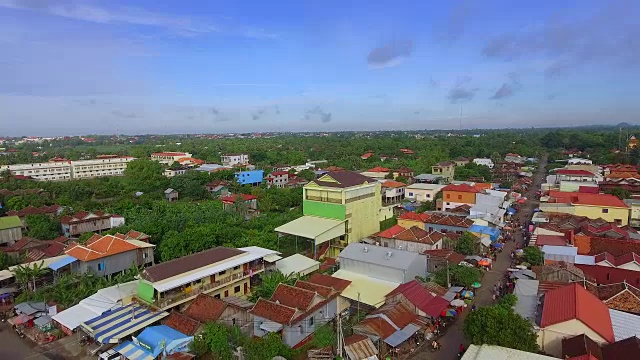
{"x":66,"y":260}
{"x":30,"y":308}
{"x":270,"y":326}
{"x":297,"y":264}
{"x":498,"y":245}
{"x":117,"y":324}
{"x":42,"y":320}
{"x":162,"y":338}
{"x":365,"y":289}
{"x":511,"y":211}
{"x":457,"y":302}
{"x":318,"y":229}
{"x":132,"y":351}
{"x":401,"y":336}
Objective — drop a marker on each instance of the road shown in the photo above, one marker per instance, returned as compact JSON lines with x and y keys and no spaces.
{"x":453,"y":337}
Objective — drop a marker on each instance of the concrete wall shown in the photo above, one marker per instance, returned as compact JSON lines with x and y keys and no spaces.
{"x":250,"y":177}
{"x":110,"y":265}
{"x":363,"y":215}
{"x":458,"y":197}
{"x":550,"y":338}
{"x":612,"y":214}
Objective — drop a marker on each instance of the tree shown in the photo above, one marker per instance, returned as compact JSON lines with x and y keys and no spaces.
{"x":402,"y":179}
{"x":270,"y":282}
{"x":42,"y":227}
{"x":500,"y":325}
{"x":145,"y":175}
{"x":324,"y":336}
{"x":533,"y":255}
{"x":27,"y":275}
{"x":191,"y":184}
{"x":307,"y":174}
{"x":620,"y":193}
{"x":390,"y":222}
{"x":267,"y":347}
{"x":466,"y":244}
{"x":84,"y":237}
{"x":216,"y":338}
{"x":458,"y":275}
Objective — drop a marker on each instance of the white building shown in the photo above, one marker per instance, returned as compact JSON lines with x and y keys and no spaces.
{"x":235,"y":159}
{"x":41,"y":171}
{"x":169,"y":157}
{"x":423,"y":192}
{"x":112,"y":166}
{"x":579,"y":161}
{"x":484,"y":161}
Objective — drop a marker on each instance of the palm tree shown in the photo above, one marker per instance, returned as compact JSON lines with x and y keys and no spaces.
{"x":270,"y":282}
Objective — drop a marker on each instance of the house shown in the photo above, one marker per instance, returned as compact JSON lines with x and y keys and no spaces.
{"x":438,"y":259}
{"x":456,"y":195}
{"x":51,"y":211}
{"x":296,"y":182}
{"x":169,"y":158}
{"x":414,"y":239}
{"x":559,"y":272}
{"x":576,"y":175}
{"x":10,"y":229}
{"x":407,"y":151}
{"x":24,"y":246}
{"x":494,"y":352}
{"x":235,"y":159}
{"x":571,"y":310}
{"x":419,"y":299}
{"x":295,"y":312}
{"x":211,"y":168}
{"x":220,"y":272}
{"x":423,"y":192}
{"x":619,"y":296}
{"x":446,"y":169}
{"x":277,"y":179}
{"x":393,"y":191}
{"x":229,"y":310}
{"x":249,"y":177}
{"x":84,"y":221}
{"x":360,"y":347}
{"x":461,"y":161}
{"x":339,"y":207}
{"x":484,"y":162}
{"x":593,"y":206}
{"x":393,"y":323}
{"x":583,"y":347}
{"x":404,"y":172}
{"x":218,"y":188}
{"x":489,"y":207}
{"x":514,"y":158}
{"x":377,"y":172}
{"x":240,"y":203}
{"x":109,"y":254}
{"x":366,"y":156}
{"x":608,"y":275}
{"x":633,"y":142}
{"x":171,"y":195}
{"x":579,"y":161}
{"x":189,"y":162}
{"x":174,"y":172}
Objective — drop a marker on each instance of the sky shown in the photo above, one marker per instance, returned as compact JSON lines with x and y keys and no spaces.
{"x":71,"y":67}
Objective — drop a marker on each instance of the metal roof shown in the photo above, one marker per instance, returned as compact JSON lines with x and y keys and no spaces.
{"x":365,"y":289}
{"x":312,"y":227}
{"x":361,"y":348}
{"x":560,"y":250}
{"x":625,"y":325}
{"x":297,"y":264}
{"x":493,"y":352}
{"x":527,"y":293}
{"x":383,"y":256}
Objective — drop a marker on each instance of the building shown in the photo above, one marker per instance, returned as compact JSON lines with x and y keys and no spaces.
{"x":297,"y":265}
{"x":494,"y":352}
{"x":219,"y":272}
{"x":593,"y":206}
{"x":169,"y":157}
{"x":393,"y":323}
{"x":377,"y":172}
{"x":456,"y":195}
{"x":51,"y":211}
{"x":155,"y":342}
{"x":295,"y":312}
{"x":100,"y":167}
{"x":423,"y":192}
{"x":619,"y":296}
{"x":414,"y":239}
{"x":428,"y":179}
{"x":240,"y":203}
{"x":339,"y":207}
{"x":171,"y":195}
{"x":446,"y":169}
{"x":571,"y":310}
{"x":634,"y":214}
{"x":277,"y":179}
{"x":393,"y":191}
{"x":632,"y":185}
{"x":438,"y":259}
{"x":360,"y":347}
{"x":41,"y":171}
{"x":174,"y":172}
{"x":579,"y":161}
{"x":230,"y":311}
{"x":235,"y":159}
{"x":484,"y":162}
{"x":218,"y":188}
{"x":10,"y":230}
{"x":404,"y":172}
{"x":461,"y":161}
{"x":436,"y":221}
{"x":514,"y":158}
{"x":109,"y":254}
{"x":83,"y":222}
{"x":249,"y":177}
{"x":419,"y":299}
{"x":633,"y":142}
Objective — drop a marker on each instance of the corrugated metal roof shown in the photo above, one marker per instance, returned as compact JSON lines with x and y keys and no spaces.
{"x":493,"y":352}
{"x":625,"y":325}
{"x":359,"y":347}
{"x":398,"y":259}
{"x":365,"y":289}
{"x":527,"y":293}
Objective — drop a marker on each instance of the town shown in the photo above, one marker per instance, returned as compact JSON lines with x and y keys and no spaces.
{"x":414,"y":245}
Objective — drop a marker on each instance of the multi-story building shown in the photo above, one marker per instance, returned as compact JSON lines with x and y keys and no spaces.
{"x":484,"y":162}
{"x":83,"y":222}
{"x":593,"y":206}
{"x":169,"y":157}
{"x":41,"y":171}
{"x":423,"y":192}
{"x":393,"y":191}
{"x":219,"y":272}
{"x":107,"y":166}
{"x":249,"y":177}
{"x":277,"y":179}
{"x":456,"y":195}
{"x":235,"y":159}
{"x":340,"y":207}
{"x":446,"y":169}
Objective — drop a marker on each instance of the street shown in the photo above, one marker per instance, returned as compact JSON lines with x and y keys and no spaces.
{"x":453,"y":337}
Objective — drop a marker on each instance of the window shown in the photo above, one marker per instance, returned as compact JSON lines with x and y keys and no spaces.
{"x":236,"y":289}
{"x":217,"y":296}
{"x":428,"y":196}
{"x":226,"y":293}
{"x":459,"y":197}
{"x":301,"y":331}
{"x":222,"y":272}
{"x":430,"y":229}
{"x":410,"y":194}
{"x":605,"y":211}
{"x":448,"y":196}
{"x":310,"y":321}
{"x":100,"y":266}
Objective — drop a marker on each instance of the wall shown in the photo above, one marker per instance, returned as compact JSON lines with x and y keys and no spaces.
{"x":250,"y":177}
{"x":456,"y":198}
{"x":297,"y":332}
{"x":377,"y":271}
{"x":421,"y":195}
{"x":444,"y":228}
{"x":550,"y":338}
{"x":417,"y":247}
{"x":323,"y":209}
{"x":406,"y":223}
{"x":242,"y":317}
{"x":112,"y":264}
{"x":362,"y":216}
{"x":385,"y":213}
{"x":10,"y":236}
{"x":594,"y":212}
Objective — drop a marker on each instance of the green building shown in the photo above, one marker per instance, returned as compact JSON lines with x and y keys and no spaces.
{"x":340,"y":207}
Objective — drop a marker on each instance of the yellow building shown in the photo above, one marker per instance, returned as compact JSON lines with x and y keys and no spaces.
{"x":446,"y":169}
{"x":219,"y":272}
{"x":593,"y":206}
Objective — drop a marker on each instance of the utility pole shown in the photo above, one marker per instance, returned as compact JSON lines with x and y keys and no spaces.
{"x":339,"y":336}
{"x":448,"y":281}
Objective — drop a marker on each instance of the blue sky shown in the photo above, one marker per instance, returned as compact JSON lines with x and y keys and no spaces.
{"x":96,"y":66}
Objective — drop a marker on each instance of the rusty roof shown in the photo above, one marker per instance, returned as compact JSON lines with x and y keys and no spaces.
{"x":330,"y":281}
{"x":184,"y":264}
{"x":205,"y":308}
{"x":181,"y":323}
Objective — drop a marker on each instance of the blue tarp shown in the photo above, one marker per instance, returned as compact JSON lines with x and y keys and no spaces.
{"x":162,"y":337}
{"x":493,"y":233}
{"x":132,"y":351}
{"x":62,"y":262}
{"x":511,"y":211}
{"x":116,"y":324}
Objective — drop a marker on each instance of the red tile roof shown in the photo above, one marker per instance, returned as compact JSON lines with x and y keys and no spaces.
{"x":181,"y":323}
{"x":419,"y":296}
{"x":393,"y":184}
{"x":390,"y":232}
{"x":278,"y":313}
{"x":323,"y":291}
{"x":330,"y":281}
{"x":205,"y":308}
{"x":460,"y":188}
{"x":415,"y":234}
{"x":450,"y":255}
{"x":168,"y":153}
{"x":575,"y":302}
{"x":232,"y":198}
{"x":84,"y":216}
{"x":572,"y":172}
{"x":54,"y":249}
{"x":107,"y":245}
{"x":279,"y":173}
{"x":294,"y":297}
{"x":366,"y":156}
{"x":586,"y":199}
{"x":379,"y":169}
{"x":30,"y":210}
{"x":556,"y":240}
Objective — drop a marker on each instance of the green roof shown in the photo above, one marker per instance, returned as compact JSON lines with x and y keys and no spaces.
{"x":9,"y":222}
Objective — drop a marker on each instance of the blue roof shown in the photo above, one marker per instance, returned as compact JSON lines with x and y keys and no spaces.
{"x":121,"y":322}
{"x":133,"y":351}
{"x":62,"y":262}
{"x":484,"y":229}
{"x":158,"y":337}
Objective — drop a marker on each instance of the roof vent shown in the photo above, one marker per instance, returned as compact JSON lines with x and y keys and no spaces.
{"x":399,"y":247}
{"x":365,"y":249}
{"x":278,"y":302}
{"x":389,"y":253}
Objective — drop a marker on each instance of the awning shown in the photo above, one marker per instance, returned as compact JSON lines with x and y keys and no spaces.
{"x":365,"y":289}
{"x":401,"y":336}
{"x":5,"y":274}
{"x":132,"y":351}
{"x":116,"y":324}
{"x":485,"y":241}
{"x":42,"y":320}
{"x":511,"y":211}
{"x":298,"y":265}
{"x":270,"y":326}
{"x":318,"y":229}
{"x":66,"y":260}
{"x":272,"y":258}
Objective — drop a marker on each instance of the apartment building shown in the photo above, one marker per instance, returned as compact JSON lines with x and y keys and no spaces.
{"x":234,"y":159}
{"x":102,"y":166}
{"x":41,"y":171}
{"x":220,"y":272}
{"x":169,"y":157}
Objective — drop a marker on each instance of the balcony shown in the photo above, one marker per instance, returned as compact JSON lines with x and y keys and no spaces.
{"x":324,"y":199}
{"x":178,"y":296}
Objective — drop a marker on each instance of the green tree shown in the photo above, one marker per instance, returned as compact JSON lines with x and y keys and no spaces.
{"x":466,"y":244}
{"x":390,"y":222}
{"x":402,"y":179}
{"x":458,"y":275}
{"x":267,"y":347}
{"x":42,"y":227}
{"x":270,"y":282}
{"x":216,"y":337}
{"x":533,"y":255}
{"x":307,"y":174}
{"x":17,"y":203}
{"x":145,"y":175}
{"x":500,"y":325}
{"x":191,"y":184}
{"x":324,"y":336}
{"x":84,"y":237}
{"x":620,"y":193}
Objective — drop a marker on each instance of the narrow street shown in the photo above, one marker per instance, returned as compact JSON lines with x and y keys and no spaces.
{"x":453,"y":337}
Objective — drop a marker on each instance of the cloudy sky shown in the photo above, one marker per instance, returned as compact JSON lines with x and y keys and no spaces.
{"x":142,"y":66}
